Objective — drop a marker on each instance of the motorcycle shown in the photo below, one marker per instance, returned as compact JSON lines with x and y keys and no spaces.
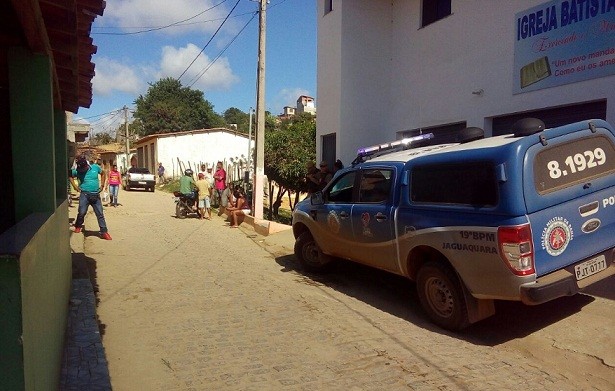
{"x":184,"y":204}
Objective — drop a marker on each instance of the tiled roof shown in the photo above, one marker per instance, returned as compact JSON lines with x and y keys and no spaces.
{"x":61,"y":30}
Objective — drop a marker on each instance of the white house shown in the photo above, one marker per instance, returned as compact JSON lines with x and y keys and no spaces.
{"x":391,"y":68}
{"x":305,"y":104}
{"x":193,"y":148}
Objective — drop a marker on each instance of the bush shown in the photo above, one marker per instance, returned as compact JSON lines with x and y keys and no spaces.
{"x":171,"y":186}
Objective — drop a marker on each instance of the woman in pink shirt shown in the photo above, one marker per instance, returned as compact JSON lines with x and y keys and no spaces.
{"x":115,"y":178}
{"x":220,"y":185}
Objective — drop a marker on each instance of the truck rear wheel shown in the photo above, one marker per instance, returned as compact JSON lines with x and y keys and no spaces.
{"x":441,"y":296}
{"x":309,"y":254}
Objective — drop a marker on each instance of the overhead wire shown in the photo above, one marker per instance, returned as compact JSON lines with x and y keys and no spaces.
{"x":174,"y":24}
{"x":200,"y":74}
{"x":149,"y":29}
{"x":211,"y":63}
{"x":210,"y":39}
{"x":108,"y":122}
{"x":100,"y":115}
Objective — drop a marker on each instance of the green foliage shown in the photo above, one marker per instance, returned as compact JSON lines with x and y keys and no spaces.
{"x":287,"y":150}
{"x":170,"y":186}
{"x":102,"y":138}
{"x":238,"y":117}
{"x":169,"y":107}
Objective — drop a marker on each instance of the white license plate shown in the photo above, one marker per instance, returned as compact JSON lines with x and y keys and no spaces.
{"x":142,"y":182}
{"x":590,"y":267}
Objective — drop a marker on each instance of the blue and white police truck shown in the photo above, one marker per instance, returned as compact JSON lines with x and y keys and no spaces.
{"x":528,"y":216}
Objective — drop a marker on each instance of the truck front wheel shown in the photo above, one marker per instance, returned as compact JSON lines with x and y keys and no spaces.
{"x":441,"y":296}
{"x":309,"y":254}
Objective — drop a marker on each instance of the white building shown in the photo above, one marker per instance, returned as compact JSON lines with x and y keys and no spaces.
{"x":192,"y":148}
{"x":306,"y":104}
{"x":391,"y":68}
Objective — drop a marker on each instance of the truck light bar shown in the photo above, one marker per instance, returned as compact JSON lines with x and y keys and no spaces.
{"x":402,"y":144}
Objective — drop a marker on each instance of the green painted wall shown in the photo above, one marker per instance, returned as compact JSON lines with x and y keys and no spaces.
{"x":61,"y":155}
{"x":31,"y":101}
{"x":35,"y":278}
{"x":11,"y":357}
{"x":45,"y":286}
{"x":35,"y":258}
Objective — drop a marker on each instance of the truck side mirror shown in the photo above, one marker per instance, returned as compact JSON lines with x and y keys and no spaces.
{"x":317,"y":198}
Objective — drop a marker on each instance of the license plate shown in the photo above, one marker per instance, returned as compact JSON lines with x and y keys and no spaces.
{"x":590,"y":267}
{"x":142,"y":182}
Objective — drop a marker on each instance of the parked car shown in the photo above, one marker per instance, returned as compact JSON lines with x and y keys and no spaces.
{"x":528,"y":216}
{"x":139,"y":178}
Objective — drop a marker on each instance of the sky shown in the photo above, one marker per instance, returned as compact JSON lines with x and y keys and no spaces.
{"x":141,"y":41}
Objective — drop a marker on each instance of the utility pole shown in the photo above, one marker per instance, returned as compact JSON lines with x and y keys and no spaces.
{"x":259,"y":171}
{"x":127,"y":139}
{"x":249,"y":149}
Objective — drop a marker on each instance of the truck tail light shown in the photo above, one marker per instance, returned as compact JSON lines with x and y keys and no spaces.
{"x":516,"y":248}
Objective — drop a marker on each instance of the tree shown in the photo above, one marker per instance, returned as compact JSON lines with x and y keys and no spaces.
{"x":238,"y":117}
{"x":102,"y":138}
{"x":169,"y":107}
{"x":287,"y":150}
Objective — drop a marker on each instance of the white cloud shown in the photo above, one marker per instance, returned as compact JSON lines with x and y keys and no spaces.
{"x":136,"y":15}
{"x":112,"y":76}
{"x":218,"y":76}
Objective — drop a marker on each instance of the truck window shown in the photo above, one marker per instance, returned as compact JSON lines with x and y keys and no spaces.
{"x":375,"y":185}
{"x":572,"y":163}
{"x":342,"y":189}
{"x":472,"y":184}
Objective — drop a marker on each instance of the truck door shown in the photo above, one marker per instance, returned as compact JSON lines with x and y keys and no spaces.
{"x":372,"y":219}
{"x":334,"y":233}
{"x":570,"y":201}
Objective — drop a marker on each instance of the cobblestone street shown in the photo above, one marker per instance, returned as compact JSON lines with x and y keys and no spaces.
{"x":194,"y":305}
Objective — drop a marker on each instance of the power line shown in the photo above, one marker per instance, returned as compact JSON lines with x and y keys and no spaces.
{"x":174,"y":24}
{"x":99,"y":115}
{"x":148,"y":29}
{"x":200,"y":74}
{"x":208,"y":42}
{"x":181,"y":23}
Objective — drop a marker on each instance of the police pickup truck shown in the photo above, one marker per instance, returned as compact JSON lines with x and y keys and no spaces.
{"x":527,"y":216}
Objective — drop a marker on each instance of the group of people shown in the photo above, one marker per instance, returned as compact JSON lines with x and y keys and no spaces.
{"x":90,"y":179}
{"x":316,"y":179}
{"x":209,"y":186}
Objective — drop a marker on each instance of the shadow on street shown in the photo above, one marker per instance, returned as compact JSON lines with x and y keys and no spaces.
{"x":397,"y":296}
{"x":85,"y":267}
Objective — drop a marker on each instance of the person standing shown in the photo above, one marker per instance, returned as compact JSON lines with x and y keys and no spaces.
{"x":85,"y":179}
{"x":115,"y":178}
{"x":204,"y":196}
{"x":220,"y":186}
{"x":209,"y":177}
{"x":338,"y":165}
{"x":203,"y":170}
{"x":312,"y":178}
{"x":324,"y":176}
{"x":160,"y":173}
